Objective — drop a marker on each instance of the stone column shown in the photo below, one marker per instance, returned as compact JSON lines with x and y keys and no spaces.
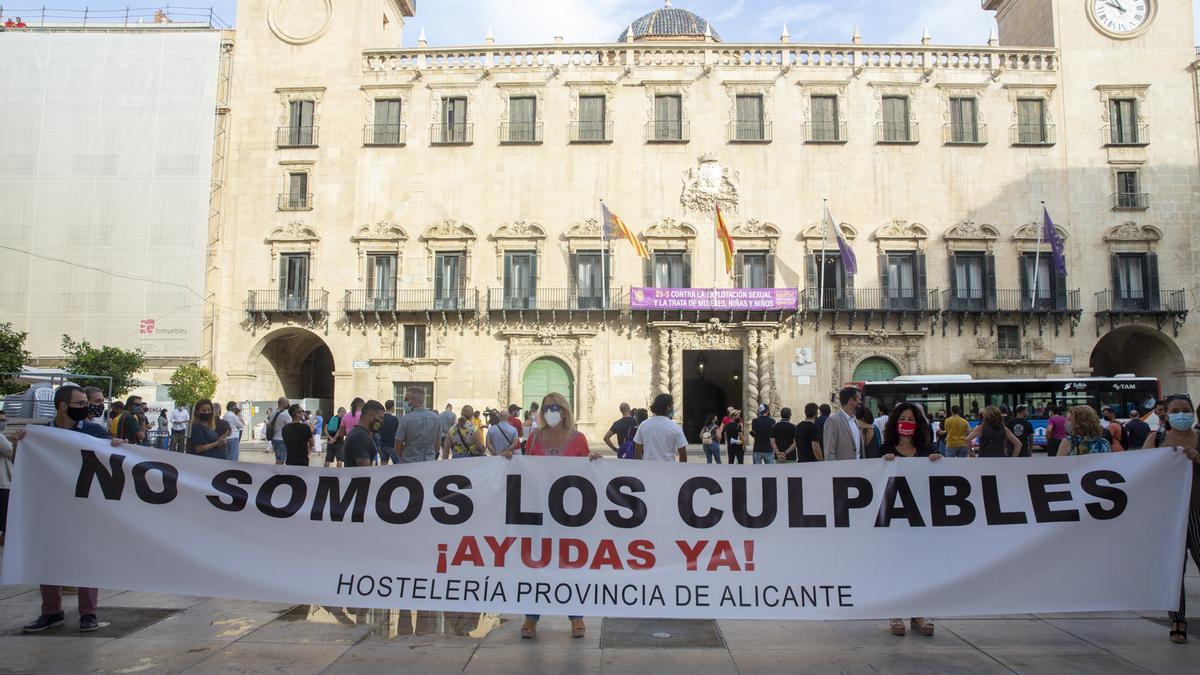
{"x":343,"y":387}
{"x":664,"y":361}
{"x":677,"y":376}
{"x":765,"y":378}
{"x":752,"y":389}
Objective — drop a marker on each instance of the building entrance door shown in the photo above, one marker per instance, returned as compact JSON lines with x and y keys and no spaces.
{"x":712,"y":381}
{"x":543,"y":376}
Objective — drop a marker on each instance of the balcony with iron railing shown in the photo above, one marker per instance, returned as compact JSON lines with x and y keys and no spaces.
{"x":460,"y":133}
{"x":1130,"y":201}
{"x":1163,"y":307}
{"x":750,"y":131}
{"x":1032,"y":135}
{"x":283,"y":302}
{"x":591,"y":132}
{"x":520,"y":133}
{"x":668,"y":131}
{"x":408,"y":301}
{"x":870,"y":300}
{"x":296,"y":137}
{"x":556,"y":300}
{"x":1009,"y":301}
{"x":965,"y":134}
{"x":385,"y":134}
{"x":1133,"y":135}
{"x":825,"y":132}
{"x":897,"y":134}
{"x":295,"y":201}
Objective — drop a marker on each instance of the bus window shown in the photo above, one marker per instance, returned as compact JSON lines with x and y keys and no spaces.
{"x":932,"y":404}
{"x":973,"y":405}
{"x":1037,"y":404}
{"x":1073,"y":399}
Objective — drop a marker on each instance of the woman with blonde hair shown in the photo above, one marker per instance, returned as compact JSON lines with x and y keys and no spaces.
{"x":204,"y":439}
{"x":995,"y":440}
{"x":1085,"y":436}
{"x":555,"y":435}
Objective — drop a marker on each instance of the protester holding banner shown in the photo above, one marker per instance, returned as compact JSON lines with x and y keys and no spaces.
{"x":1181,"y":433}
{"x":1085,"y":436}
{"x":204,"y":439}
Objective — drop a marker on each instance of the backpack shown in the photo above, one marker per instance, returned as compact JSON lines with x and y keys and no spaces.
{"x":625,"y":450}
{"x":706,"y":435}
{"x":332,"y":427}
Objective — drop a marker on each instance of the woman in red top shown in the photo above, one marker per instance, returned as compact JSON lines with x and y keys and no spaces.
{"x":555,"y":434}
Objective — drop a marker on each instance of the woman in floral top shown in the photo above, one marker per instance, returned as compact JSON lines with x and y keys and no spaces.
{"x":1085,"y":436}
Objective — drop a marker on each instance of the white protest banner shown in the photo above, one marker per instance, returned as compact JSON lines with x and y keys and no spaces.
{"x":839,"y":540}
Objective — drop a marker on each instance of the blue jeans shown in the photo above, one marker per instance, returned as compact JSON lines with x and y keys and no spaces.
{"x":231,"y":445}
{"x":280,"y":451}
{"x":712,"y":453}
{"x":764,"y":458}
{"x":957,"y":452}
{"x":388,"y":452}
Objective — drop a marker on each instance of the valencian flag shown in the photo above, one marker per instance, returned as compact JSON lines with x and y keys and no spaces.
{"x":614,"y":228}
{"x":849,"y":262}
{"x":726,"y":241}
{"x":1050,"y":234}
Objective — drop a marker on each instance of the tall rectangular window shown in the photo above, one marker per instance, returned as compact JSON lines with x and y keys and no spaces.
{"x":824,"y":124}
{"x":520,"y":280}
{"x":449,"y":271}
{"x":1128,"y":194}
{"x":1131,"y":277}
{"x":964,"y":127}
{"x":414,"y":341}
{"x":454,"y":120}
{"x":300,"y":123}
{"x":1039,"y":282}
{"x":590,"y":280}
{"x":293,"y":281}
{"x":749,"y":125}
{"x":592,"y":118}
{"x":387,"y":122}
{"x":522,"y":119}
{"x":895,"y":120}
{"x":1031,"y":121}
{"x":668,"y":118}
{"x":900,"y":284}
{"x":381,"y":280}
{"x":399,"y":389}
{"x":297,"y":197}
{"x":1123,"y":129}
{"x":754,"y":272}
{"x":668,"y":270}
{"x":1008,"y":341}
{"x":969,"y":291}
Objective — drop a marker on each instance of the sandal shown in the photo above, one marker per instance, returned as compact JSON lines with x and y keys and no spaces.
{"x":1179,"y":636}
{"x":528,"y":630}
{"x":897,"y":627}
{"x":577,"y":628}
{"x":922,"y":626}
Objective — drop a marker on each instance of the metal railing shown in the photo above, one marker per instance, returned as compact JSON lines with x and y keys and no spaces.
{"x":1132,"y":135}
{"x":520,"y":133}
{"x":295,"y":202}
{"x":385,"y":134}
{"x":750,"y":132}
{"x":1119,"y":302}
{"x":897,"y":134}
{"x":409,"y":300}
{"x":870,"y":299}
{"x":127,"y":17}
{"x":953,"y":134}
{"x":825,"y":132}
{"x":462,"y":133}
{"x":276,"y":301}
{"x":591,"y":132}
{"x":555,"y":300}
{"x":1009,"y":300}
{"x":296,"y":137}
{"x":1131,"y":201}
{"x":1032,"y":134}
{"x":668,"y":131}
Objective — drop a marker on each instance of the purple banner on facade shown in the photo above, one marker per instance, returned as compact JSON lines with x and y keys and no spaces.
{"x":714,"y":299}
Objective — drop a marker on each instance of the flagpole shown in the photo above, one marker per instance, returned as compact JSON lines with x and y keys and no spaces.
{"x":1037,"y":257}
{"x":821,"y":258}
{"x":719,"y":254}
{"x":603,"y":260}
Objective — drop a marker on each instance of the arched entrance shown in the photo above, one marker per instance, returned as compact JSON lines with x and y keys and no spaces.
{"x":546,"y":375}
{"x":293,"y":362}
{"x":1140,"y":351}
{"x":875,"y":369}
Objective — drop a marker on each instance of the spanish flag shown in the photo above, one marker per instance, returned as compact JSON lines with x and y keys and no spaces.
{"x":614,"y":228}
{"x":726,"y":241}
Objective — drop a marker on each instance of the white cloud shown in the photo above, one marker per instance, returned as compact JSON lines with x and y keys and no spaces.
{"x":732,"y":12}
{"x":525,"y":21}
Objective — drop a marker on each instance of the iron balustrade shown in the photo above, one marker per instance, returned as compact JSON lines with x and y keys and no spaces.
{"x":1032,"y":134}
{"x":870,"y":299}
{"x":298,"y":201}
{"x":897,"y":134}
{"x":1141,"y":302}
{"x":385,"y":134}
{"x":459,"y":133}
{"x":555,"y":300}
{"x":668,"y":131}
{"x":296,"y":137}
{"x":520,"y":133}
{"x":591,"y":132}
{"x":313,"y":301}
{"x":409,"y":300}
{"x":750,"y":131}
{"x":953,"y":134}
{"x":1131,"y":135}
{"x":1009,"y":300}
{"x":1131,"y":201}
{"x":825,"y":132}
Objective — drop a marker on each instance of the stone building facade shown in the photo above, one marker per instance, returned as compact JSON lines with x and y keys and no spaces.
{"x":431,"y":217}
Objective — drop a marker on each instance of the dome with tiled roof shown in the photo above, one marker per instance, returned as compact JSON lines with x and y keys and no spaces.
{"x":670,"y":23}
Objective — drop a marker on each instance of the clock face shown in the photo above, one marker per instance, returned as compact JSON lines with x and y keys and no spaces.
{"x":1121,"y":18}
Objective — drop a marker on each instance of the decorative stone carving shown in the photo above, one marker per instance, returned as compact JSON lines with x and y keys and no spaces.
{"x":439,"y":91}
{"x":669,"y":234}
{"x":449,"y":229}
{"x":752,"y":388}
{"x":1025,"y":237}
{"x":763,"y":88}
{"x":970,"y":236}
{"x":809,"y":89}
{"x":289,"y":94}
{"x":382,"y":231}
{"x":382,"y":237}
{"x":814,"y":234}
{"x":957,"y":90}
{"x":590,"y":88}
{"x":910,"y":89}
{"x":1134,"y":91}
{"x":680,"y":88}
{"x":299,"y":22}
{"x":294,"y":231}
{"x":403,"y":92}
{"x":507,"y":90}
{"x":709,"y":184}
{"x":1020,"y":91}
{"x":1133,"y":232}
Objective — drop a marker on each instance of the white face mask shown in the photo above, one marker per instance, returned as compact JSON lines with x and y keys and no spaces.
{"x":553,"y":418}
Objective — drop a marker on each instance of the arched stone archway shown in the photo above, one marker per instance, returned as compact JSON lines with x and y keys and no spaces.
{"x":875,"y":368}
{"x":1142,"y":351}
{"x":292,"y":362}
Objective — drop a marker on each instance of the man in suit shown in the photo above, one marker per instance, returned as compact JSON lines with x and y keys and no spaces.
{"x":842,"y":439}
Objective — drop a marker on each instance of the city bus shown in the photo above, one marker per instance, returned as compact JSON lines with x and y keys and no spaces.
{"x":1127,"y":395}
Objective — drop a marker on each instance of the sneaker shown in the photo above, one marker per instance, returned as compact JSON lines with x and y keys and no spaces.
{"x":88,"y":623}
{"x":43,"y":622}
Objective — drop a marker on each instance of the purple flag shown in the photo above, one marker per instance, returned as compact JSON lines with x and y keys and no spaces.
{"x":1050,"y":234}
{"x":849,"y":262}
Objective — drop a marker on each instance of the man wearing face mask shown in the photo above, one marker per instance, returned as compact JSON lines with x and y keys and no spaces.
{"x":360,"y":441}
{"x":129,"y":427}
{"x":841,"y":437}
{"x":95,"y":399}
{"x":660,"y":438}
{"x":297,"y":438}
{"x":233,"y":417}
{"x":179,"y":423}
{"x":419,"y":432}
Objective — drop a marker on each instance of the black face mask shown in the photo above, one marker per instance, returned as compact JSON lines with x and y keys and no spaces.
{"x":77,"y":414}
{"x":96,"y":410}
{"x":377,"y":426}
{"x":204,"y":417}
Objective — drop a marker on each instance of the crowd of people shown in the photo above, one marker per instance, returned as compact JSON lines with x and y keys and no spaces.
{"x":17,"y":22}
{"x":371,"y":433}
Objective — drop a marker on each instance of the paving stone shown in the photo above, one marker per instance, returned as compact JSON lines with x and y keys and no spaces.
{"x":27,"y":654}
{"x":552,"y":630}
{"x":947,"y":662}
{"x":121,"y":621}
{"x":370,"y":657}
{"x":158,"y":600}
{"x":1056,"y":662}
{"x":661,"y":634}
{"x":132,"y":655}
{"x":1131,"y":633}
{"x":534,"y":657}
{"x":302,"y":626}
{"x":675,"y":662}
{"x":194,"y":624}
{"x":800,"y":661}
{"x":1165,"y":657}
{"x":258,"y":657}
{"x":1030,"y":634}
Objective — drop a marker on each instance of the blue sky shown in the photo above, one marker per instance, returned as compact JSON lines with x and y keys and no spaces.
{"x":465,"y":22}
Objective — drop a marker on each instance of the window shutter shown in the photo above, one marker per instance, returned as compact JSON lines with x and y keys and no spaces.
{"x":883,"y":274}
{"x":739,"y":269}
{"x":1023,"y":263}
{"x":989,"y":281}
{"x":439,"y":282}
{"x":461,"y":266}
{"x":531,"y":300}
{"x":687,"y":269}
{"x":846,"y":289}
{"x":770,"y":270}
{"x":573,"y":275}
{"x":1152,"y":282}
{"x":1059,"y":281}
{"x":648,"y":271}
{"x":1118,"y":293}
{"x":811,"y":283}
{"x":922,"y":299}
{"x":953,"y":281}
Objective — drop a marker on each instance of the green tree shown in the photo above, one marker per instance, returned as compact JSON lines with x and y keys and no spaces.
{"x":119,"y":364}
{"x":191,"y":383}
{"x":12,"y":357}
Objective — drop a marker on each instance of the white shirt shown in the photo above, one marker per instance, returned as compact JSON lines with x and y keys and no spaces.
{"x":855,"y":433}
{"x":235,"y":423}
{"x":179,"y":419}
{"x":276,"y":428}
{"x":880,"y":424}
{"x":660,"y":438}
